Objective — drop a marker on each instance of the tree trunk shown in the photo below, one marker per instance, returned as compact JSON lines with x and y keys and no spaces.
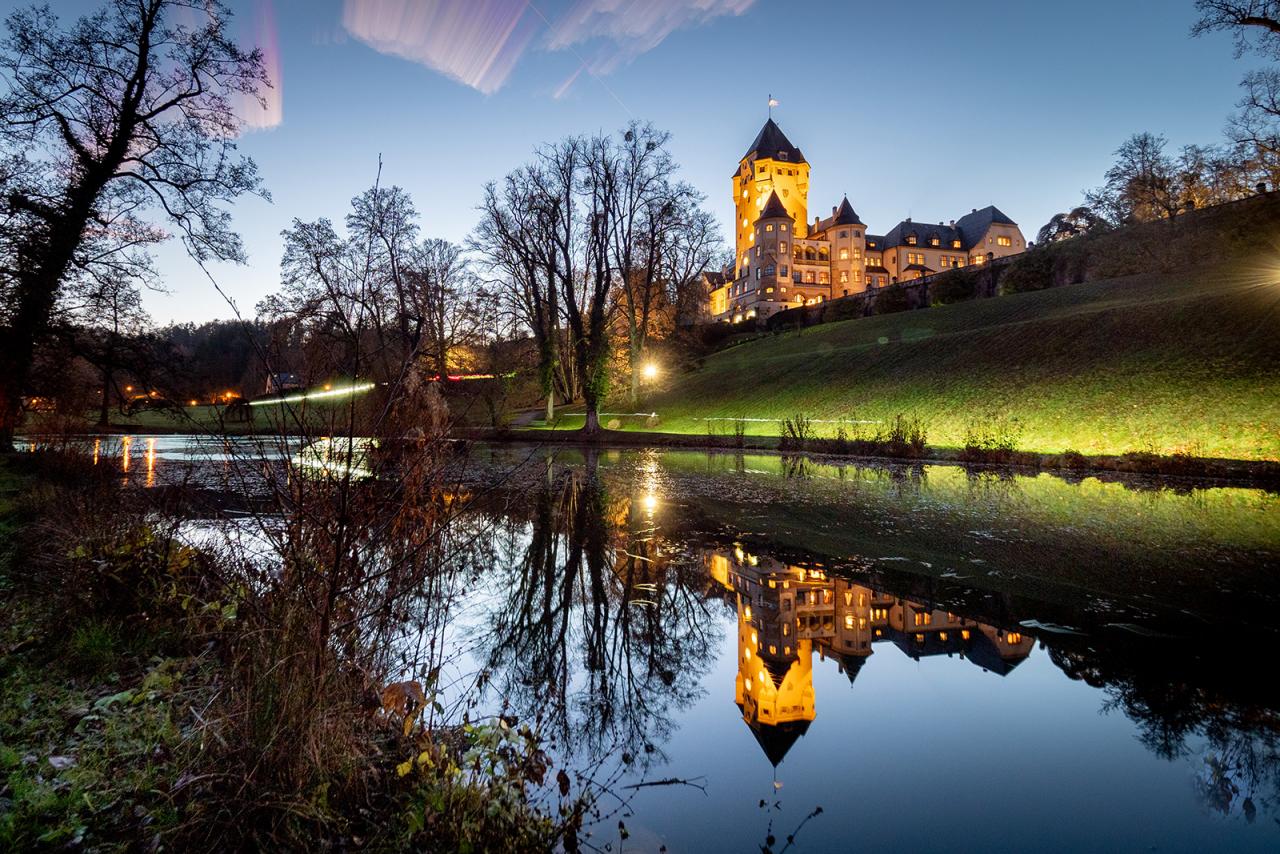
{"x":635,"y":373}
{"x":592,"y":425}
{"x":104,"y":405}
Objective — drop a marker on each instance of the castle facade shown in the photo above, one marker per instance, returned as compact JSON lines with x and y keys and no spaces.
{"x":782,"y":260}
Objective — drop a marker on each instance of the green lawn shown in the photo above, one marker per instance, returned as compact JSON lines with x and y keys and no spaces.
{"x":1182,"y":362}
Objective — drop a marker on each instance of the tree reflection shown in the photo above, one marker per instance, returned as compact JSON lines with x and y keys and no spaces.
{"x":598,"y":634}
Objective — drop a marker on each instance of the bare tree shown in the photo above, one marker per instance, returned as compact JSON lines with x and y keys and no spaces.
{"x":1141,"y":186}
{"x":125,"y":114}
{"x":1255,"y":26}
{"x":111,"y":320}
{"x":441,"y":291}
{"x":516,"y":239}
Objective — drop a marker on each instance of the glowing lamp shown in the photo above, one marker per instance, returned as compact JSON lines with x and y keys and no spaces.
{"x":649,"y":371}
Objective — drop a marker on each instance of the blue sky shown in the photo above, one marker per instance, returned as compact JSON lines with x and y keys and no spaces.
{"x":924,"y":113}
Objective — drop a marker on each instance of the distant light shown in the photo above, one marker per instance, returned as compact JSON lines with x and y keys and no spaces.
{"x":328,"y":392}
{"x":193,"y":403}
{"x":650,"y":371}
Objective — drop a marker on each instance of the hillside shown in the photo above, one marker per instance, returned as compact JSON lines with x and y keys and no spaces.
{"x":1187,"y":361}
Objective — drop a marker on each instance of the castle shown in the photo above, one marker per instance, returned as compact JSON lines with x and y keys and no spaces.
{"x":783,"y":261}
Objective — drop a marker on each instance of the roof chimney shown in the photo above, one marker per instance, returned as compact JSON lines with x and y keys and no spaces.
{"x":975,"y":210}
{"x":833,"y":210}
{"x":908,"y":219}
{"x":953,"y":223}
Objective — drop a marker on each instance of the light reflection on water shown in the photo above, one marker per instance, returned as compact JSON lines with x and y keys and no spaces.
{"x":966,"y":660}
{"x":671,"y":625}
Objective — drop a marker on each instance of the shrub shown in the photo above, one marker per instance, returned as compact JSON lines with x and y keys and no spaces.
{"x":1031,"y":271}
{"x":906,"y":437}
{"x":956,"y":285}
{"x":797,"y":433}
{"x":892,"y":300}
{"x":993,"y":440}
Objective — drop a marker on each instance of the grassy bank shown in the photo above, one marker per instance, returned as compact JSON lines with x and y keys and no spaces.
{"x":152,"y":698}
{"x":1164,"y":363}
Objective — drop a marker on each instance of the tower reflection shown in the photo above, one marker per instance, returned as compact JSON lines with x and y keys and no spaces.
{"x":786,"y":613}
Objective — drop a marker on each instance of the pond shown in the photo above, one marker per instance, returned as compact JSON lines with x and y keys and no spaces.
{"x":737,"y":649}
{"x":963,"y":660}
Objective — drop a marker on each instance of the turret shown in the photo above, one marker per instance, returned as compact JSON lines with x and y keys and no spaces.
{"x":771,"y":165}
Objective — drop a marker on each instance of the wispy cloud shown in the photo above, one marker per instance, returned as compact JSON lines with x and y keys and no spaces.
{"x":476,"y":42}
{"x":621,"y":30}
{"x":479,"y":42}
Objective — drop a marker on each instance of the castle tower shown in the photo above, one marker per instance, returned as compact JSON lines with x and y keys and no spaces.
{"x":771,"y":165}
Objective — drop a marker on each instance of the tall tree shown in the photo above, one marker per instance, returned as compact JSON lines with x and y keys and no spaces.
{"x":125,"y":113}
{"x":1140,"y":186}
{"x":1255,"y":26}
{"x":441,"y":295}
{"x":111,"y":322}
{"x":516,"y":240}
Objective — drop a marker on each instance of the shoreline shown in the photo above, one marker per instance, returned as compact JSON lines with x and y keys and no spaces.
{"x":1209,"y":471}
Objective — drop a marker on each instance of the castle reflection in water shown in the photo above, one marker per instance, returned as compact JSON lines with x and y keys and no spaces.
{"x":786,"y":613}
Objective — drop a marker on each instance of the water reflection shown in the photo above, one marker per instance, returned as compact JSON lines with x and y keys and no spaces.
{"x":786,"y":613}
{"x":600,"y":632}
{"x":611,"y":617}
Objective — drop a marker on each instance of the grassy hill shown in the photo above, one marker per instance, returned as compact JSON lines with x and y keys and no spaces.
{"x":1188,"y":361}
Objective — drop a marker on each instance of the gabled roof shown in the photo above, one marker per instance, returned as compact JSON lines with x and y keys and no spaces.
{"x":773,"y":208}
{"x":772,"y":142}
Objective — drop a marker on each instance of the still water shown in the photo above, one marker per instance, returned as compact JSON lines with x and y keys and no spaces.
{"x":939,"y":659}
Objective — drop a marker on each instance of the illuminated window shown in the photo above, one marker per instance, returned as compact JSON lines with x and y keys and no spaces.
{"x":955,"y":244}
{"x":786,"y":630}
{"x":782,"y":226}
{"x":844,"y":276}
{"x":782,"y":247}
{"x":768,"y":290}
{"x":964,"y":635}
{"x":848,"y":597}
{"x":773,"y":650}
{"x":769,"y":227}
{"x":868,"y":280}
{"x":844,"y":254}
{"x":848,"y":621}
{"x":911,"y":240}
{"x":783,"y":290}
{"x":824,"y":279}
{"x":1004,"y":241}
{"x":933,"y":241}
{"x":1013,"y":638}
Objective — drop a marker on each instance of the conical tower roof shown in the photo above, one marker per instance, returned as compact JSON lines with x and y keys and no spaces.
{"x":774,"y":208}
{"x":846,"y":215}
{"x":771,"y":142}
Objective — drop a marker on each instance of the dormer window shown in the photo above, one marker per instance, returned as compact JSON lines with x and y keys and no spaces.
{"x":933,"y":241}
{"x":955,"y":244}
{"x":782,"y":155}
{"x":911,"y":239}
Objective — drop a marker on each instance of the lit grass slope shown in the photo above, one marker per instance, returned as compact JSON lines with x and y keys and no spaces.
{"x":1186,"y":362}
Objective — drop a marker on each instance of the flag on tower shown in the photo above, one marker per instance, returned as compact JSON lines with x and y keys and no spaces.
{"x":773,"y":102}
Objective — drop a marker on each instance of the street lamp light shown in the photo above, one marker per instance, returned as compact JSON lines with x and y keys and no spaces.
{"x":649,"y":371}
